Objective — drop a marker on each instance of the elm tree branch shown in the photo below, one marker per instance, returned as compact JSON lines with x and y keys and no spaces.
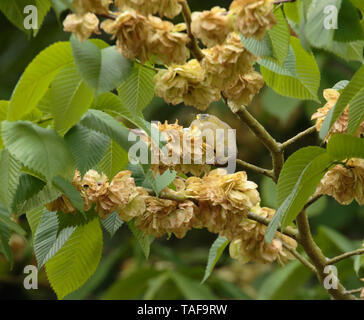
{"x":193,"y":44}
{"x":345,"y":255}
{"x":299,"y":136}
{"x":252,"y":167}
{"x":317,"y":257}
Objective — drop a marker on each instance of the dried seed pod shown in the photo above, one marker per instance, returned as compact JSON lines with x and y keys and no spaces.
{"x":96,"y":6}
{"x":253,"y":17}
{"x":242,"y":92}
{"x":131,"y":31}
{"x":167,"y":41}
{"x":185,"y":83}
{"x":212,"y":26}
{"x":250,"y":245}
{"x":224,"y":63}
{"x":344,"y":183}
{"x":82,"y":25}
{"x":341,"y":125}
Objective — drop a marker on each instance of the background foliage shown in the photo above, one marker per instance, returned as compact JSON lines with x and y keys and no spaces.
{"x":175,"y":268}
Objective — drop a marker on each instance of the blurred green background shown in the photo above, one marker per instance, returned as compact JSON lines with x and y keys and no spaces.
{"x":176,"y":267}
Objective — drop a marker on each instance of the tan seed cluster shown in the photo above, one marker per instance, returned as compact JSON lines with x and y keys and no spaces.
{"x":95,"y":6}
{"x":218,"y":201}
{"x":341,"y":125}
{"x":167,"y":8}
{"x":250,"y":244}
{"x":82,"y":25}
{"x":253,"y":17}
{"x":185,"y":83}
{"x":212,"y":26}
{"x":344,"y":183}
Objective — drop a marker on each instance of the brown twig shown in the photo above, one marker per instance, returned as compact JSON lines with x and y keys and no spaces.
{"x":345,"y":256}
{"x":283,"y":1}
{"x":300,"y":258}
{"x":359,"y":290}
{"x":252,"y":167}
{"x":262,"y":134}
{"x":193,"y":44}
{"x":317,"y":257}
{"x":293,"y":140}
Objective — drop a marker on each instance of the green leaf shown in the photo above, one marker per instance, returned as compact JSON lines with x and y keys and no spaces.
{"x":110,"y":102}
{"x":107,"y":125}
{"x":344,"y":146}
{"x":6,"y":221}
{"x":34,"y":217}
{"x":298,"y":77}
{"x":356,"y":112}
{"x":261,"y":48}
{"x":132,"y":286}
{"x":102,"y":69}
{"x":160,"y":181}
{"x":76,"y":219}
{"x":291,"y":11}
{"x":215,"y":253}
{"x":341,"y":85}
{"x":40,"y":149}
{"x":106,"y":267}
{"x":277,"y":105}
{"x":115,"y":160}
{"x":349,"y":28}
{"x":14,"y":11}
{"x":78,"y":259}
{"x":284,"y":282}
{"x":112,"y":223}
{"x":280,"y":36}
{"x":9,"y":177}
{"x":191,"y":289}
{"x":349,"y":51}
{"x":351,"y":90}
{"x":305,"y":187}
{"x":315,"y":30}
{"x":47,"y":242}
{"x":293,"y":169}
{"x":144,"y":240}
{"x":3,"y":114}
{"x":37,"y":77}
{"x":5,"y":248}
{"x":341,"y":242}
{"x":358,"y":3}
{"x":299,"y":178}
{"x":68,"y":189}
{"x":61,"y":5}
{"x":43,"y":7}
{"x":87,"y":146}
{"x":358,"y":263}
{"x":70,"y":98}
{"x":155,"y":284}
{"x":47,"y":194}
{"x":138,"y":90}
